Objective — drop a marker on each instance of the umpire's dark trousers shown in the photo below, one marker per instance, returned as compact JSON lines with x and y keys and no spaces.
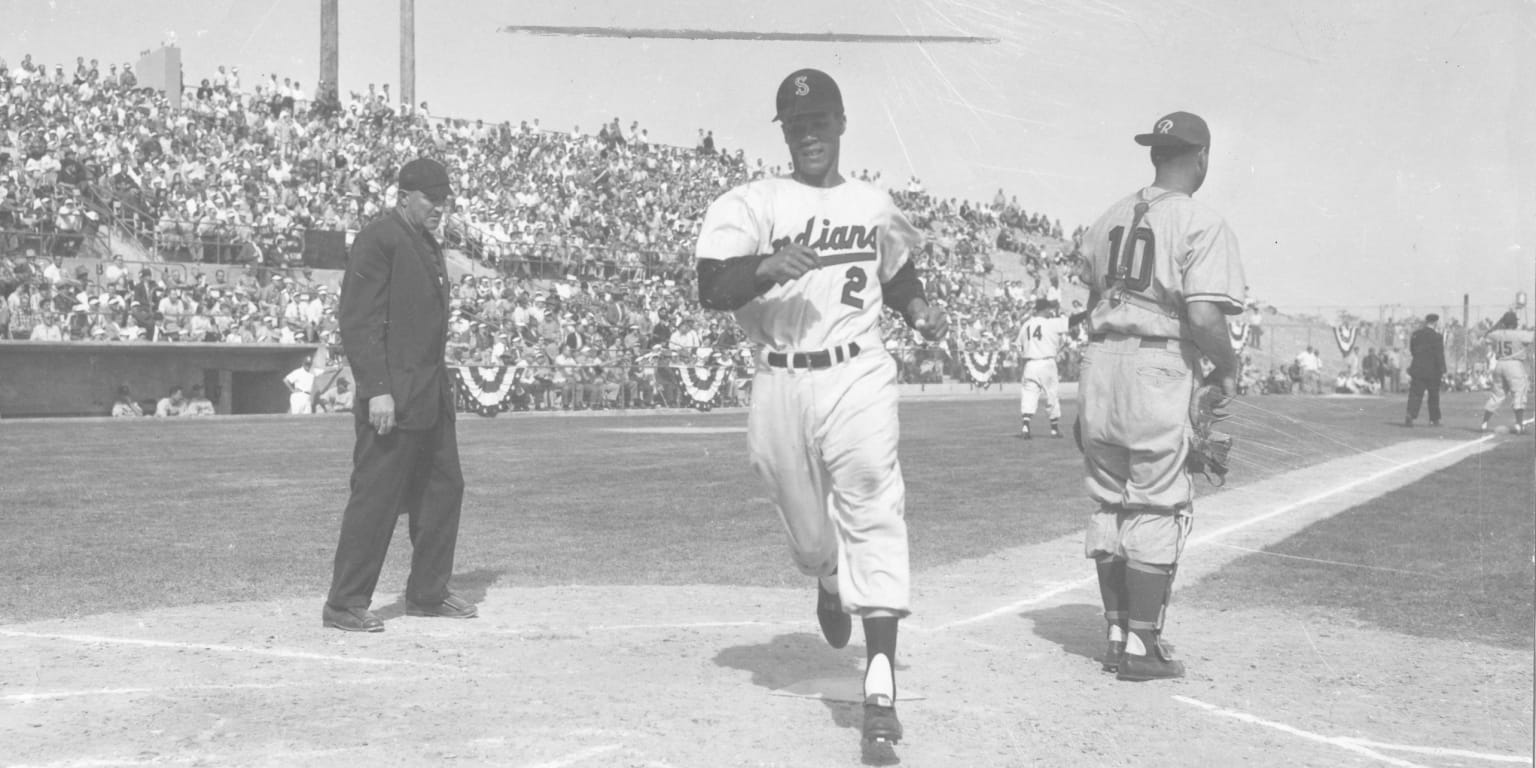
{"x":1417,"y":388}
{"x":413,"y":472}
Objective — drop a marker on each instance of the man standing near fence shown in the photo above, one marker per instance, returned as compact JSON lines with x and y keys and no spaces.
{"x":1425,"y":372}
{"x":394,"y":327}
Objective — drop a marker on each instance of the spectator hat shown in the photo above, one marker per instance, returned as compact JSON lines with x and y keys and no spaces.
{"x":1177,"y":129}
{"x":1431,"y":318}
{"x":806,"y":91}
{"x":427,"y":176}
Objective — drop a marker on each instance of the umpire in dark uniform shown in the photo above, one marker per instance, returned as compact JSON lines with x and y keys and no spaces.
{"x":394,"y":327}
{"x":1424,"y":373}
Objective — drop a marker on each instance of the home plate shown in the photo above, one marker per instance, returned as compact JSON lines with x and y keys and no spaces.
{"x":678,"y":430}
{"x":846,"y":689}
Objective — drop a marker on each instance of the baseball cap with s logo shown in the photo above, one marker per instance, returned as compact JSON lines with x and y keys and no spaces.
{"x":806,"y":91}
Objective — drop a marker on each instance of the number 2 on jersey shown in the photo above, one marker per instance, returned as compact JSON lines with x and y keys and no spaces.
{"x":1133,"y":269}
{"x":856,"y":282}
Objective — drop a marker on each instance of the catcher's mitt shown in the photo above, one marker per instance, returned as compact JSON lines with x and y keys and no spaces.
{"x":1208,"y":448}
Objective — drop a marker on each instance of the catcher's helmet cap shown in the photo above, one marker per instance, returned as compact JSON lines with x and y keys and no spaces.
{"x":806,"y":91}
{"x":1177,"y":129}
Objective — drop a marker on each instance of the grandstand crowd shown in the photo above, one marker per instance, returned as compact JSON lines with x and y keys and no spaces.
{"x":589,"y":233}
{"x":585,"y":238}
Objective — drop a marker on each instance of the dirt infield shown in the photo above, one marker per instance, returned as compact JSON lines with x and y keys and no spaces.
{"x":1001,"y":650}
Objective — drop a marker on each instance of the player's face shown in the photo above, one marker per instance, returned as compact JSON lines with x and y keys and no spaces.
{"x":1202,"y":164}
{"x":813,"y":140}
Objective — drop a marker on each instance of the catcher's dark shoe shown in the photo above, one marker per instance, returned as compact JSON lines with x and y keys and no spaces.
{"x":836,"y":624}
{"x":452,"y":607}
{"x":350,"y":619}
{"x":1159,"y":664}
{"x":1112,"y":654}
{"x":880,"y":723}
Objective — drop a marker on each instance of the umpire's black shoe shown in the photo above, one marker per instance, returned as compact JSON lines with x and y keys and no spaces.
{"x":880,"y":723}
{"x":350,"y":619}
{"x":452,"y":607}
{"x":836,"y":624}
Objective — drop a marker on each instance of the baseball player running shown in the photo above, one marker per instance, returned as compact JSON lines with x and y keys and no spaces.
{"x":1040,"y":339}
{"x":1512,"y":349}
{"x":1164,"y":273}
{"x":805,"y":262}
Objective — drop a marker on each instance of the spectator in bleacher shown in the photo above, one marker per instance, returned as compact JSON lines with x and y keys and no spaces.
{"x":47,"y":328}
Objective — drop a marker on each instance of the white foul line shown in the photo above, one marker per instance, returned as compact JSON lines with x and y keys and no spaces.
{"x":1239,"y":525}
{"x":27,"y":698}
{"x":1326,"y":562}
{"x":1358,"y":746}
{"x":278,"y":652}
{"x":575,"y":757}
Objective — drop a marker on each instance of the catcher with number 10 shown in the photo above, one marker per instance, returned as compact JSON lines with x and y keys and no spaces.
{"x":1164,"y":274}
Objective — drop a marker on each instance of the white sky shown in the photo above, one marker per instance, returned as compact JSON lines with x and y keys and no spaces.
{"x":1366,"y":152}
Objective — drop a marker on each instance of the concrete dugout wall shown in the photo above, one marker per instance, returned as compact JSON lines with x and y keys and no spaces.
{"x":81,"y":378}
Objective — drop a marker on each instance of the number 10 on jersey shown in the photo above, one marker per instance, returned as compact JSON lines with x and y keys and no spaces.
{"x":1132,"y":266}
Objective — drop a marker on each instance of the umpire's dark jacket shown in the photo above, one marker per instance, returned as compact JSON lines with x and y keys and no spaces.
{"x":1428,"y":349}
{"x":394,"y":320}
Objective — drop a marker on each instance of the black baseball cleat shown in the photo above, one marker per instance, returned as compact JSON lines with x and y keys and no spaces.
{"x":1112,"y":654}
{"x":880,"y":723}
{"x":1159,"y":664}
{"x":836,"y":624}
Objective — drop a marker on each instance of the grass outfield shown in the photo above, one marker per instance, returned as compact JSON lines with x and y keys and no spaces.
{"x":100,"y":516}
{"x":1464,"y":534}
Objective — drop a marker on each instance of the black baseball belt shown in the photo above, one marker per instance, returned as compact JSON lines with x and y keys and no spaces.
{"x":1147,"y":342}
{"x":826,"y":358}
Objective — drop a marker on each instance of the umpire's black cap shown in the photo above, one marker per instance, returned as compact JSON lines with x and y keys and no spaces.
{"x":427,"y":175}
{"x":1177,"y":129}
{"x":806,"y":91}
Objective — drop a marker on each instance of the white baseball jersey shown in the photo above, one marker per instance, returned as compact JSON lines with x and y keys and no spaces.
{"x":854,"y":227}
{"x":1041,"y":337}
{"x":824,"y":441}
{"x":1182,"y":251}
{"x":1511,"y":344}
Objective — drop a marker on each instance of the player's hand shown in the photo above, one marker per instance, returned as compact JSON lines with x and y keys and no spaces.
{"x":930,"y":321}
{"x":381,"y":413}
{"x":1227,"y":382}
{"x":789,"y":262}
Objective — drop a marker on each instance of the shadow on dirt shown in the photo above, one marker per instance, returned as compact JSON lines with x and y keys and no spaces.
{"x":1078,"y":628}
{"x":470,"y":585}
{"x":801,"y":656}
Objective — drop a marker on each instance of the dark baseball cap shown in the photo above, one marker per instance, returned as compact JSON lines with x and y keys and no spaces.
{"x":427,"y":176}
{"x":806,"y":91}
{"x":1177,"y":129}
